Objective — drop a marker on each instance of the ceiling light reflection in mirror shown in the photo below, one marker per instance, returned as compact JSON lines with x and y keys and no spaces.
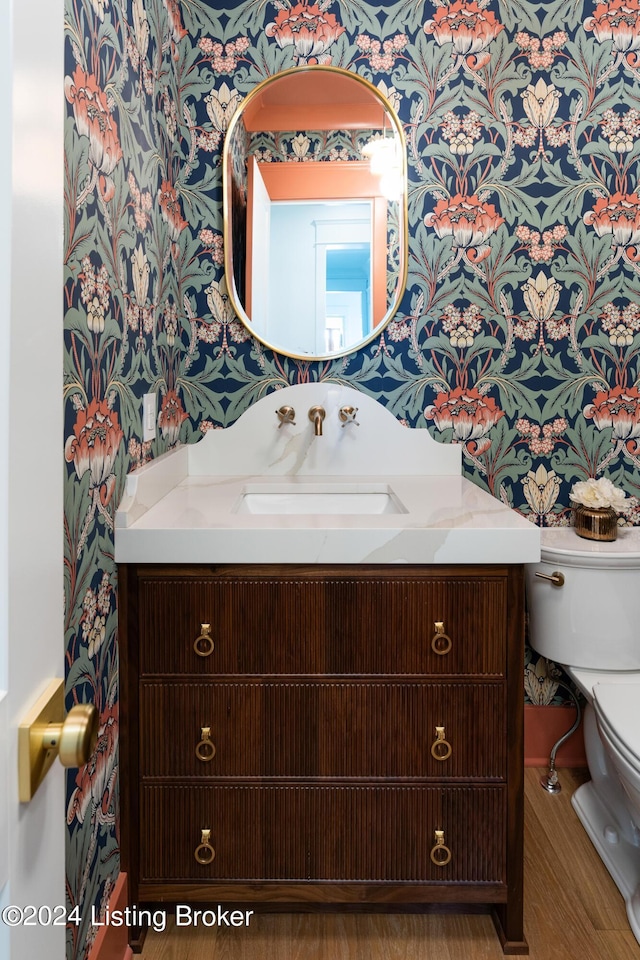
{"x":315,"y":212}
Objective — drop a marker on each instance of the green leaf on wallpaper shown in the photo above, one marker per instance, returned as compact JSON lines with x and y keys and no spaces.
{"x":565,"y":389}
{"x":567,"y":201}
{"x":515,"y":202}
{"x":82,"y":671}
{"x":518,"y":15}
{"x":599,"y":341}
{"x":199,"y":398}
{"x":428,"y":62}
{"x":80,"y":564}
{"x":515,"y":395}
{"x":585,"y":61}
{"x":399,"y":17}
{"x":198,"y":15}
{"x":589,"y":446}
{"x":560,"y":15}
{"x":409,"y":400}
{"x":481,"y":344}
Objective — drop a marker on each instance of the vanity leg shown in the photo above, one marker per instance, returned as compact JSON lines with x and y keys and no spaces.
{"x":509,"y":930}
{"x":137,"y":936}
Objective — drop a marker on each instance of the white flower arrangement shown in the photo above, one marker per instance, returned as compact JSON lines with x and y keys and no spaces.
{"x":598,"y":494}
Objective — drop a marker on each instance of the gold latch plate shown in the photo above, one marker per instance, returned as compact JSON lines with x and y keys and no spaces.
{"x":33,"y":759}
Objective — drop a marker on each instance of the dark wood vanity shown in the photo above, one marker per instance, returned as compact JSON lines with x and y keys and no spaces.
{"x":295,"y":737}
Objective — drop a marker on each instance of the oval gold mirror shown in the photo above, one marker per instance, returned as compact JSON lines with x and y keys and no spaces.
{"x":315,"y":212}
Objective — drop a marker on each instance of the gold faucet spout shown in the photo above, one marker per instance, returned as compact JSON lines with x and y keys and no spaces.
{"x":317,"y":415}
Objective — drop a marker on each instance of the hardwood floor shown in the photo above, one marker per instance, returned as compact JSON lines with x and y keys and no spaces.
{"x":573,"y":911}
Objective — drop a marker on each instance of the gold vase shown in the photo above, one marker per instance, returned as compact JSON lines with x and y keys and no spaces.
{"x":595,"y":524}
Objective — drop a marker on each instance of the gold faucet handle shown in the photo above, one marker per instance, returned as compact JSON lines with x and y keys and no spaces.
{"x":286,"y":415}
{"x":348,"y":415}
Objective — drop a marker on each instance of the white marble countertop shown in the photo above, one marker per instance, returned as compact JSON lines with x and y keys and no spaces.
{"x":184,"y":507}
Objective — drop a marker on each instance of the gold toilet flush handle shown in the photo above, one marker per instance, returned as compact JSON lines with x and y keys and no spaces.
{"x":204,"y":852}
{"x":440,"y":853}
{"x":46,"y":733}
{"x":556,"y":578}
{"x":441,"y":642}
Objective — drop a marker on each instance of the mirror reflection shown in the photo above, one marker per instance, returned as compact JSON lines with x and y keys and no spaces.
{"x":315,"y":211}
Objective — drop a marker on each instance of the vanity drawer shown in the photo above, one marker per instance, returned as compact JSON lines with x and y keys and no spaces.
{"x":275,"y":728}
{"x":332,"y":623}
{"x":306,"y":832}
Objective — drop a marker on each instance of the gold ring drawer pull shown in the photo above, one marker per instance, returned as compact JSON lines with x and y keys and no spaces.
{"x":204,"y":852}
{"x":440,"y":854}
{"x":440,"y":748}
{"x":441,"y":642}
{"x":205,"y":748}
{"x":203,"y":645}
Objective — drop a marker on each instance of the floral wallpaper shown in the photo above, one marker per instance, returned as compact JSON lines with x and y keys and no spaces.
{"x":519,"y":333}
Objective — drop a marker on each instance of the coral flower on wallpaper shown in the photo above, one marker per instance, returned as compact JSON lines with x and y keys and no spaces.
{"x":171,"y":417}
{"x":171,"y":210}
{"x":175,"y":20}
{"x":619,"y":22}
{"x":468,"y":413}
{"x":309,"y":30}
{"x":469,"y":28}
{"x":94,"y":445}
{"x":468,"y":220}
{"x":94,"y":120}
{"x":618,"y":409}
{"x":618,"y":215}
{"x":95,"y":782}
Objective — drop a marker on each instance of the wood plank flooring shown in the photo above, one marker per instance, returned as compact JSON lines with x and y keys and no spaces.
{"x":573,"y":911}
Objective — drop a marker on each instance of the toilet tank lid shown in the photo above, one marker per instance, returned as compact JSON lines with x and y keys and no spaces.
{"x":562,"y":544}
{"x":619,"y":706}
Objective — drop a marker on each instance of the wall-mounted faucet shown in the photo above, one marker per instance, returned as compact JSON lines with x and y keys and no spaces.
{"x":348,"y":415}
{"x":286,"y":415}
{"x":317,"y":415}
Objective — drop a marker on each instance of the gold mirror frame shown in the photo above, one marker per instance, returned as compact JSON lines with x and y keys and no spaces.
{"x":403,"y":243}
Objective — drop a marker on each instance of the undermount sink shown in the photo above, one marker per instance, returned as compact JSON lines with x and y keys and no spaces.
{"x":342,"y":499}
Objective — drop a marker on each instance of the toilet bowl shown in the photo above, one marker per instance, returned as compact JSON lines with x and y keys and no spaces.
{"x":588,"y":621}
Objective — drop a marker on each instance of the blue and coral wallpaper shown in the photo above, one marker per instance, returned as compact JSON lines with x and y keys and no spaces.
{"x":518,"y":336}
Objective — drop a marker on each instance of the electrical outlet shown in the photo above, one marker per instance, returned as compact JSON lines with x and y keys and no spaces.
{"x":149,"y":417}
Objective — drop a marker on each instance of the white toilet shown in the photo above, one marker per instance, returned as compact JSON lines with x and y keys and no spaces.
{"x":590,"y":625}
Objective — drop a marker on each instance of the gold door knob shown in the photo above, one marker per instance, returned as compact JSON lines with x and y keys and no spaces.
{"x":203,"y":644}
{"x":204,"y":852}
{"x":440,"y":853}
{"x":440,"y":748}
{"x":205,"y":748}
{"x":46,"y":733}
{"x":75,"y":738}
{"x":441,"y":642}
